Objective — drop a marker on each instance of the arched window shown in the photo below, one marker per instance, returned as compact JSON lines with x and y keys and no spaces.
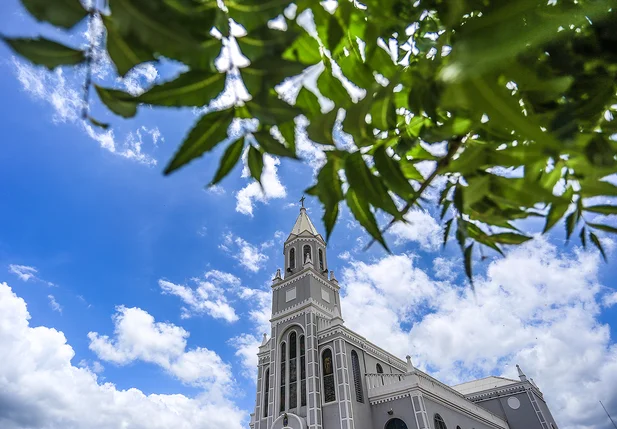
{"x":266,"y":391}
{"x":327,"y":368}
{"x":396,"y":424}
{"x":293,"y":371}
{"x":283,"y":373}
{"x":321,"y":266}
{"x":357,"y":380}
{"x":302,"y":372}
{"x":439,"y":423}
{"x":307,"y":255}
{"x":292,"y":259}
{"x":379,"y":369}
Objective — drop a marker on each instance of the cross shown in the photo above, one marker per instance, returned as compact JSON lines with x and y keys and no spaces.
{"x":302,"y":200}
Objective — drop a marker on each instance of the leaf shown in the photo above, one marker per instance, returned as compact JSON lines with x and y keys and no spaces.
{"x":367,"y":186}
{"x":557,"y":210}
{"x":230,"y":158}
{"x":119,"y":102}
{"x":272,"y":146}
{"x":126,"y":53}
{"x":331,"y":87}
{"x":61,"y":13}
{"x":256,"y":163}
{"x":583,"y":237}
{"x":383,"y":112}
{"x":509,"y":238}
{"x":305,"y":49}
{"x":604,"y":209}
{"x":446,"y":232}
{"x":596,"y":242}
{"x":329,"y":190}
{"x":273,"y":111}
{"x":207,"y":133}
{"x":391,"y":172}
{"x":571,"y":222}
{"x":97,"y":123}
{"x":361,"y":210}
{"x":468,"y":271}
{"x":602,"y":227}
{"x":335,"y":33}
{"x":193,"y":88}
{"x":45,"y":52}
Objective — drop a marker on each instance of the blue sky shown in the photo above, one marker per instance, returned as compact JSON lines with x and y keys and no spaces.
{"x":122,"y":251}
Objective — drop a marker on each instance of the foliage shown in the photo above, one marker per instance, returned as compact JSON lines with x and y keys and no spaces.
{"x":506,"y":106}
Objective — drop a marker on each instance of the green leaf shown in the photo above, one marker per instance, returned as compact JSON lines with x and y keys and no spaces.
{"x":602,"y":227}
{"x":256,"y":163}
{"x":273,"y":111}
{"x":583,"y":237}
{"x":509,"y":238}
{"x":272,"y":146}
{"x":119,"y":102}
{"x":383,"y":112}
{"x":97,"y":123}
{"x":332,"y":88}
{"x":329,"y":190}
{"x":207,"y":133}
{"x":305,"y":49}
{"x":45,"y":52}
{"x":557,"y":210}
{"x":335,"y":33}
{"x":361,"y":210}
{"x":125,"y":53}
{"x":228,"y":161}
{"x":571,"y":222}
{"x":367,"y":186}
{"x":193,"y":88}
{"x":468,"y":271}
{"x":604,"y":209}
{"x":61,"y":13}
{"x":446,"y":232}
{"x":321,"y":127}
{"x":596,"y":242}
{"x":391,"y":172}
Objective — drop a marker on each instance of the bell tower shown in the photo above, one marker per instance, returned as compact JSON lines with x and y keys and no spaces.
{"x":304,"y":294}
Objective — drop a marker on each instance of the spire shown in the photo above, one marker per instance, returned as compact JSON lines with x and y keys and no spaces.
{"x":521,"y":374}
{"x":303,"y":223}
{"x":410,"y":367}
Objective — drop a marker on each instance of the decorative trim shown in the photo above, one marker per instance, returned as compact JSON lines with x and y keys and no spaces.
{"x":297,"y":307}
{"x":303,"y":273}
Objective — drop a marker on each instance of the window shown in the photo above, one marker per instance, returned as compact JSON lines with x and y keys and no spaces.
{"x":321,"y":266}
{"x":306,"y":254}
{"x":293,"y":371}
{"x":379,"y":369}
{"x":327,"y":368}
{"x":302,"y":373}
{"x":357,"y":380}
{"x":292,"y":259}
{"x":439,"y":423}
{"x":396,"y":424}
{"x":283,"y":373}
{"x":266,"y":391}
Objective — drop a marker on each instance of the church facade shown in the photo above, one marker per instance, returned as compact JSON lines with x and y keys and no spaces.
{"x":315,"y":373}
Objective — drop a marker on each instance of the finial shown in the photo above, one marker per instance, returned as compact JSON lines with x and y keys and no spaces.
{"x":265,"y":339}
{"x":332,"y":278}
{"x":521,"y":374}
{"x":410,"y":367}
{"x":302,"y":201}
{"x":278,"y":274}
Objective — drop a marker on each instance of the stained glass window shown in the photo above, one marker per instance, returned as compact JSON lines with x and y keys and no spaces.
{"x":302,"y":373}
{"x":439,"y":423}
{"x":283,"y":357}
{"x":357,"y":380}
{"x":327,"y":368}
{"x":396,"y":424}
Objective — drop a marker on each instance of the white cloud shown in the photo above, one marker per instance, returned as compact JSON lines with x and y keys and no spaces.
{"x":270,"y":188}
{"x":609,"y":299}
{"x":139,"y":78}
{"x":446,"y":269}
{"x":248,"y":255}
{"x":39,"y":387}
{"x":24,"y":272}
{"x":54,"y":304}
{"x":421,"y":227}
{"x":137,"y":336}
{"x":535,"y":307}
{"x":66,"y":99}
{"x":215,"y":190}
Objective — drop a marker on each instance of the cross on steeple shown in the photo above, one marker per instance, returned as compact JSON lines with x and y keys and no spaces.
{"x":302,"y":201}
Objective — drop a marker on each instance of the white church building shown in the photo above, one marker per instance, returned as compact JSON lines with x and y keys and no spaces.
{"x":316,"y":373}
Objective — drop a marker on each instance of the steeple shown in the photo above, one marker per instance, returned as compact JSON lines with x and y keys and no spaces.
{"x":303,"y":225}
{"x":521,"y":374}
{"x":305,"y":248}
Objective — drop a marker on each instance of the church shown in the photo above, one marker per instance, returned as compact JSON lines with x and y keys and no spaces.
{"x":316,"y":373}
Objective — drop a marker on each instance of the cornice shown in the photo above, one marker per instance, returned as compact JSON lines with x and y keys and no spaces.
{"x":307,"y":306}
{"x":304,"y":238}
{"x":501,"y":391}
{"x":301,"y":274}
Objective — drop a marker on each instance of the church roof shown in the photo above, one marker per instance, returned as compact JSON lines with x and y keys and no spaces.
{"x":486,"y":383}
{"x":303,"y":223}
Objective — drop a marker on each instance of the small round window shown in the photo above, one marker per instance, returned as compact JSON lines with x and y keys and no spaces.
{"x":514,"y":403}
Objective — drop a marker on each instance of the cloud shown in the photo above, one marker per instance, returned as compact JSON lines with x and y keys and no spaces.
{"x":24,"y":272}
{"x":39,"y":387}
{"x":54,"y":304}
{"x":421,"y":228}
{"x":270,"y":188}
{"x":535,"y":307}
{"x":66,"y":99}
{"x":138,"y":337}
{"x":207,"y":298}
{"x":446,"y":268}
{"x":248,"y":255}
